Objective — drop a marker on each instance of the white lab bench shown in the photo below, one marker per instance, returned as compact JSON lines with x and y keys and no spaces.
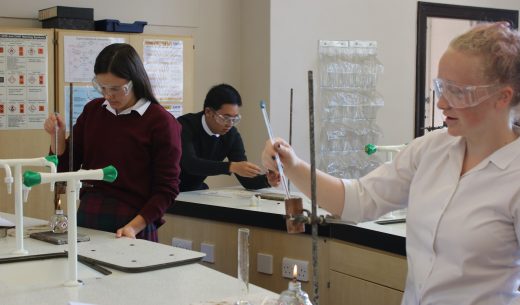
{"x":41,"y":281}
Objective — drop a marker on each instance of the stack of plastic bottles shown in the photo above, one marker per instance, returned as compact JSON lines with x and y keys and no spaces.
{"x":349,"y":104}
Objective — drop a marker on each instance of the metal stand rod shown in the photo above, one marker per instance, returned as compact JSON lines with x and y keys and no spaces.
{"x":313,"y":192}
{"x":290,"y":130}
{"x":57,"y":186}
{"x":56,"y":134}
{"x":290,"y":116}
{"x":71,"y":134}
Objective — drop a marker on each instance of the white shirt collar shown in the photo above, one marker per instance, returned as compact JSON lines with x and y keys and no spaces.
{"x":206,"y":127}
{"x":507,"y":154}
{"x":140,"y":107}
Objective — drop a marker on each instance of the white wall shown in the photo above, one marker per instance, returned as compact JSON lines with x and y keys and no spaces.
{"x":296,"y":27}
{"x":254,"y":72}
{"x":181,"y":14}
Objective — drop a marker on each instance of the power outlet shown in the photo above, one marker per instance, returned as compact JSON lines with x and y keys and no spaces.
{"x":288,"y":266}
{"x":182,"y":243}
{"x":209,"y":249}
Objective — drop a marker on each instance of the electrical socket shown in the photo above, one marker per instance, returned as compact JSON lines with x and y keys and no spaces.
{"x":303,"y":269}
{"x":209,"y":249}
{"x":182,"y":243}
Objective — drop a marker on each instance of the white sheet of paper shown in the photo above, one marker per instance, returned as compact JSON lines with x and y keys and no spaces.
{"x":5,"y":223}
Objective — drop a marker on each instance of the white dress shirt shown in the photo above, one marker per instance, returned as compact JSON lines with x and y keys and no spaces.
{"x":463,"y":232}
{"x":140,"y":107}
{"x":206,"y":127}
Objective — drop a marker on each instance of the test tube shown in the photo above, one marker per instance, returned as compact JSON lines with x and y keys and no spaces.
{"x":243,"y":256}
{"x":277,"y":157}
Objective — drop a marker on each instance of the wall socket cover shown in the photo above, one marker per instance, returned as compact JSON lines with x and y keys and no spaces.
{"x":264,"y":263}
{"x":209,"y":249}
{"x":288,"y":266}
{"x":182,"y":243}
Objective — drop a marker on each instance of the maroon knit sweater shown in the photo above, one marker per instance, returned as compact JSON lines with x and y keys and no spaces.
{"x":145,"y":150}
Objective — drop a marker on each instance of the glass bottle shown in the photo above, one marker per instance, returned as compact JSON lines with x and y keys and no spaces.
{"x":59,"y":222}
{"x":294,"y":295}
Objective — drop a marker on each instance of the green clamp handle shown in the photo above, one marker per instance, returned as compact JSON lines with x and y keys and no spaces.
{"x":53,"y":159}
{"x":109,"y":173}
{"x":370,"y":149}
{"x":31,"y":178}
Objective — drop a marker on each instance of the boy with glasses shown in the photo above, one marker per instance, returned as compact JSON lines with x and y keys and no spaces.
{"x":209,"y":137}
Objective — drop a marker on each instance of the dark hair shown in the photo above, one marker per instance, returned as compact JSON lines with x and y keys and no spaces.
{"x":121,"y":60}
{"x":220,"y":95}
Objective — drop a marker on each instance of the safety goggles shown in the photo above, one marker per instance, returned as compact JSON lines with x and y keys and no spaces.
{"x":463,"y":96}
{"x":227,"y":119}
{"x":112,"y":90}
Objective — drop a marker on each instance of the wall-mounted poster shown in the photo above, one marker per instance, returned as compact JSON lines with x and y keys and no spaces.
{"x":23,"y":81}
{"x":80,"y":56}
{"x":163,"y":61}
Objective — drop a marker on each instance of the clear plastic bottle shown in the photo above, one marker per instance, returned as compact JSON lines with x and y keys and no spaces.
{"x":294,"y":295}
{"x":59,"y":222}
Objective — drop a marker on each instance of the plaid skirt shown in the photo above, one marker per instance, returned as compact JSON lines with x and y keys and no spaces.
{"x":99,"y":212}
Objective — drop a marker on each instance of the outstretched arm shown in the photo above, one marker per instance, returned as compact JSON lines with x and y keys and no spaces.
{"x":330,"y":190}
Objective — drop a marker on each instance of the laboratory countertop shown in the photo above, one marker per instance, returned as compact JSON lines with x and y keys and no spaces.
{"x":41,"y":281}
{"x":235,"y":205}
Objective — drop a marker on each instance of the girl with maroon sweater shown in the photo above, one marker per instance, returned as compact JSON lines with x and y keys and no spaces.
{"x":128,"y":129}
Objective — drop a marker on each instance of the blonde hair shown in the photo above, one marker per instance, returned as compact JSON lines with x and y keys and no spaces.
{"x":499,"y":47}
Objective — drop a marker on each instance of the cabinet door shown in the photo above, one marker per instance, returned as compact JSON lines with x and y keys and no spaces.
{"x":373,"y":265}
{"x":348,"y":290}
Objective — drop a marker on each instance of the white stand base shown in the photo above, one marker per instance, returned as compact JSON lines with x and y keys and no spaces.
{"x":21,"y":252}
{"x":72,"y":283}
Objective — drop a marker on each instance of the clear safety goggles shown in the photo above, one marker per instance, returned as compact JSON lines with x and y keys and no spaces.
{"x":112,"y":90}
{"x":463,"y":96}
{"x":227,"y":119}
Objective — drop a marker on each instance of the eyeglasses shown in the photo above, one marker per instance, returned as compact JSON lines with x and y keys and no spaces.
{"x":112,"y":90}
{"x":227,"y":119}
{"x":462,"y":96}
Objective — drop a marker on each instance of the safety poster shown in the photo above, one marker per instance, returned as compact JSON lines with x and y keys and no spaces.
{"x":23,"y":81}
